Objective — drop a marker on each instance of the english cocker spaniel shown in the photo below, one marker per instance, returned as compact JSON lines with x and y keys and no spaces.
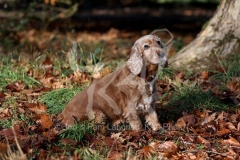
{"x":125,"y":93}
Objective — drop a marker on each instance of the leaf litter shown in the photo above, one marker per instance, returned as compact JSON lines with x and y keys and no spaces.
{"x":201,"y":133}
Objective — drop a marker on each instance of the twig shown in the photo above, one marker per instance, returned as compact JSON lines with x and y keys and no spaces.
{"x":164,"y":29}
{"x":220,"y":62}
{"x":129,"y":153}
{"x":211,"y":152}
{"x":17,"y":143}
{"x":111,"y":148}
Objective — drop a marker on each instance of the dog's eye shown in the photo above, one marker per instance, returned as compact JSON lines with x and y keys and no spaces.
{"x":146,"y":47}
{"x":160,"y":44}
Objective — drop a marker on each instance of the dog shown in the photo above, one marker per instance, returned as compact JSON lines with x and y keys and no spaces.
{"x":125,"y":93}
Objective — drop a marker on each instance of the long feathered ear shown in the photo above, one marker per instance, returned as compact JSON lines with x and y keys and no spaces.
{"x":135,"y":62}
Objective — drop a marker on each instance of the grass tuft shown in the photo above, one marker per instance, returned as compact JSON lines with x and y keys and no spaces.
{"x":8,"y":75}
{"x":57,"y":99}
{"x":166,"y":72}
{"x":189,"y":98}
{"x":231,"y":63}
{"x":88,"y":153}
{"x":78,"y":130}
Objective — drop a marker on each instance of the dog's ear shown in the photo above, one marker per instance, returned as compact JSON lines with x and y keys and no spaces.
{"x":135,"y":61}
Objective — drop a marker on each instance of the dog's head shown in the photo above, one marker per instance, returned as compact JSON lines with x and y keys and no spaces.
{"x":146,"y":50}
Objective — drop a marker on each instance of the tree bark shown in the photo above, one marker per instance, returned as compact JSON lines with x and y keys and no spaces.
{"x":221,"y":35}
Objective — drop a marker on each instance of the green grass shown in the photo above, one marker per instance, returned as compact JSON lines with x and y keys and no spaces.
{"x":88,"y":154}
{"x":8,"y":74}
{"x":78,"y":130}
{"x":190,"y":97}
{"x":57,"y":99}
{"x":231,"y":67}
{"x":166,"y":72}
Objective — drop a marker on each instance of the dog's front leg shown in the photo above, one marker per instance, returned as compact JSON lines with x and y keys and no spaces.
{"x":152,"y":119}
{"x":134,"y":120}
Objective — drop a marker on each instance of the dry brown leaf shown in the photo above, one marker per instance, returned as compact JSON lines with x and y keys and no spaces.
{"x":43,"y":154}
{"x":230,"y":126}
{"x":234,"y":85}
{"x":209,"y":119}
{"x":238,"y":126}
{"x":66,"y":141}
{"x":117,"y":136}
{"x":109,"y":141}
{"x":28,"y":91}
{"x":223,"y":131}
{"x":189,"y":119}
{"x":202,"y":156}
{"x":45,"y":121}
{"x":191,"y":156}
{"x":233,"y":118}
{"x":4,"y":112}
{"x":38,"y":108}
{"x":8,"y":132}
{"x":180,"y":123}
{"x":3,"y":148}
{"x":204,"y":75}
{"x":231,"y":151}
{"x":2,"y":97}
{"x":203,"y":141}
{"x":146,"y":151}
{"x":13,"y":87}
{"x":202,"y":114}
{"x":114,"y":155}
{"x":220,"y":117}
{"x":179,"y":77}
{"x":167,"y":149}
{"x":232,"y":141}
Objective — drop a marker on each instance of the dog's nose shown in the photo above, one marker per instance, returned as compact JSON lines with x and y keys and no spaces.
{"x":161,"y":54}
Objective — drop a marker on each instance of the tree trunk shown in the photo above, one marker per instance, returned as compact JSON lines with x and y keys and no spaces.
{"x":221,"y":35}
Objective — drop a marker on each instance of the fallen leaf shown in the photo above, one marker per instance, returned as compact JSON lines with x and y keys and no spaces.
{"x":189,"y":119}
{"x":109,"y":141}
{"x":231,"y":151}
{"x":203,"y":141}
{"x":180,"y":124}
{"x":45,"y":121}
{"x":238,"y":126}
{"x":118,"y":137}
{"x":3,"y":148}
{"x":2,"y":97}
{"x":113,"y":155}
{"x":38,"y":108}
{"x":191,"y":156}
{"x":220,"y":117}
{"x":68,"y":141}
{"x":223,"y":131}
{"x":202,"y":155}
{"x":146,"y":151}
{"x":202,"y":114}
{"x":204,"y":75}
{"x":4,"y":112}
{"x":167,"y":149}
{"x":179,"y":77}
{"x":43,"y":154}
{"x":209,"y":119}
{"x":230,"y":126}
{"x":234,"y":85}
{"x":232,"y":141}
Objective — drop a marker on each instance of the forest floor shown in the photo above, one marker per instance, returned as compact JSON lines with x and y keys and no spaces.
{"x":41,"y":72}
